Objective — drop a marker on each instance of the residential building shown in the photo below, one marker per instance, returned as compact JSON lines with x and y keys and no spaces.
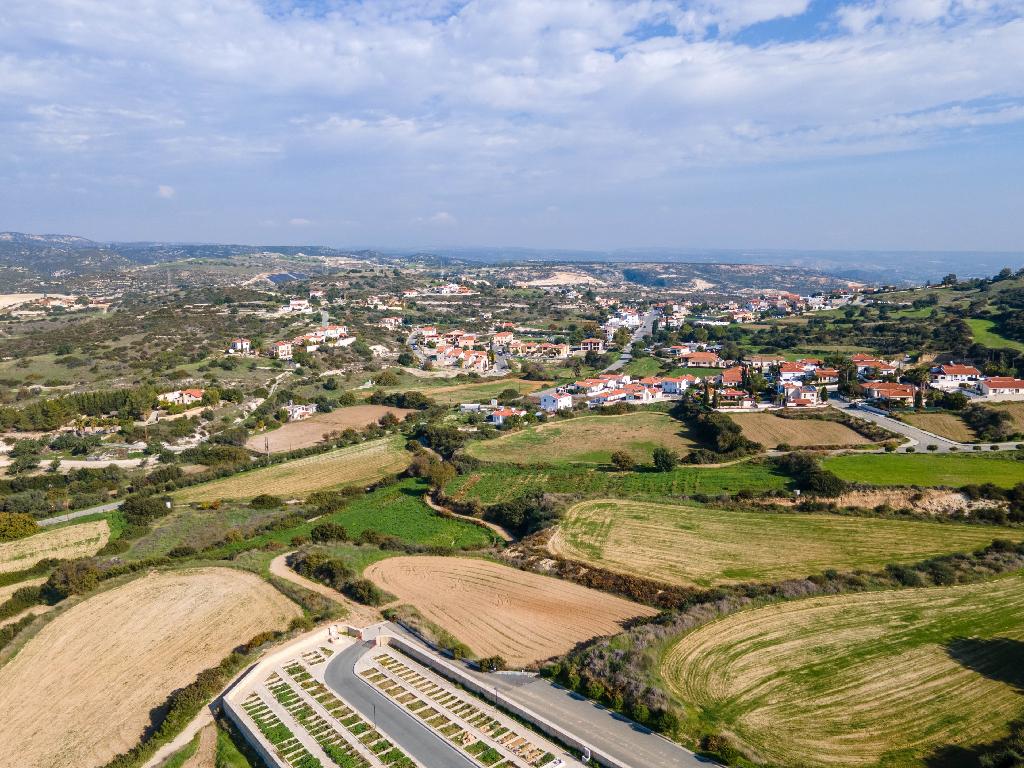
{"x":1002,"y":388}
{"x":953,"y":376}
{"x":300,"y":412}
{"x":592,"y":345}
{"x":282,"y":350}
{"x":240,"y":346}
{"x":764,"y":362}
{"x":897,"y":393}
{"x":702,"y":359}
{"x":556,"y":401}
{"x":501,"y":415}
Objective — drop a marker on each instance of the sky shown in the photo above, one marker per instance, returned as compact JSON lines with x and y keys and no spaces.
{"x":599,"y":124}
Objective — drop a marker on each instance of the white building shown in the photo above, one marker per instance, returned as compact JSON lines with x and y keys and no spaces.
{"x":555,"y":402}
{"x":1002,"y":388}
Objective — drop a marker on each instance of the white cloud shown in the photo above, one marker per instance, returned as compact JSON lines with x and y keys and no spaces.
{"x":441,"y":219}
{"x":165,"y":191}
{"x":299,"y":222}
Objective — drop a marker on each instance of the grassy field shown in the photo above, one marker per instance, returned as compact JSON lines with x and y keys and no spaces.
{"x":943,"y":424}
{"x":198,"y":528}
{"x":771,"y":431}
{"x":65,"y":542}
{"x":700,"y":546}
{"x":399,"y":510}
{"x":644,"y":366}
{"x":355,"y":464}
{"x":500,"y":482}
{"x":954,"y":470}
{"x":874,"y":679}
{"x":982,"y":332}
{"x":471,"y":392}
{"x":586,"y":440}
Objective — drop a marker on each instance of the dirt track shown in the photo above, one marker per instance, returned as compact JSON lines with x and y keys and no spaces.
{"x":496,"y":609}
{"x":81,"y":690}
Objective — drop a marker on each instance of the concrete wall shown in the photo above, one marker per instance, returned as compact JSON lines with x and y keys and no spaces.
{"x":460,"y":676}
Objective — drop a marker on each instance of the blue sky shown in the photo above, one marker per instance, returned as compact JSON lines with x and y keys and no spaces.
{"x":861,"y":124}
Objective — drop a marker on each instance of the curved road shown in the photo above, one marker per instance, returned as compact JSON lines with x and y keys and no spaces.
{"x":415,"y":738}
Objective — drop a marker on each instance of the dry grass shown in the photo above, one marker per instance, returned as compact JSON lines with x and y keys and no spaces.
{"x":62,"y":543}
{"x":1015,"y":409}
{"x":10,"y":589}
{"x":82,"y":689}
{"x":495,"y":609}
{"x":357,"y":464}
{"x":860,"y":680}
{"x":695,"y":545}
{"x":303,"y":434}
{"x":587,"y":439}
{"x":771,"y":431}
{"x":942,"y":424}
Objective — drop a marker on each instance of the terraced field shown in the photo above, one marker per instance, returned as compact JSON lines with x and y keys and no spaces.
{"x":355,"y":464}
{"x":700,"y":546}
{"x":770,"y":431}
{"x":66,"y":542}
{"x":1004,"y":469}
{"x":496,"y":609}
{"x":884,"y":678}
{"x":587,"y":440}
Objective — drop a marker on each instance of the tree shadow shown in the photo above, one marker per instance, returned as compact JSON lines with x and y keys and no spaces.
{"x":997,"y":658}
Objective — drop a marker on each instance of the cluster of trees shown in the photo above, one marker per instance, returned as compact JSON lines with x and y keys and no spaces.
{"x":525,"y":514}
{"x":16,"y":525}
{"x":48,"y":414}
{"x":336,"y":573}
{"x":809,"y":475}
{"x":722,"y":436}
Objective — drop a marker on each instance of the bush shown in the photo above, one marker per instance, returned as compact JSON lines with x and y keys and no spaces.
{"x":664,"y":459}
{"x":16,"y":525}
{"x":493,"y":664}
{"x":364,"y":591}
{"x":74,"y":577}
{"x":328,"y":532}
{"x":623,"y":462}
{"x":265,"y":501}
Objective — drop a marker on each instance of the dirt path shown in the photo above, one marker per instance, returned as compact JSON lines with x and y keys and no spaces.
{"x":359,"y":615}
{"x":497,"y":529}
{"x":206,"y":753}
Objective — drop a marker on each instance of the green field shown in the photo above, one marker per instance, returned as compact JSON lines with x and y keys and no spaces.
{"x":954,"y":470}
{"x":443,"y":391}
{"x":396,"y":510}
{"x":874,"y":679}
{"x":688,"y":545}
{"x":643,"y":366}
{"x":586,"y":440}
{"x":984,"y":335}
{"x":500,"y":482}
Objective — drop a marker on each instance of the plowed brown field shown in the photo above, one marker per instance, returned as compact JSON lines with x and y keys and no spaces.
{"x":496,"y":609}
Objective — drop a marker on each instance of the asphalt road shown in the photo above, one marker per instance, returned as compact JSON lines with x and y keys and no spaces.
{"x":919,"y":437}
{"x":406,"y":731}
{"x":80,"y":513}
{"x":646,"y":328}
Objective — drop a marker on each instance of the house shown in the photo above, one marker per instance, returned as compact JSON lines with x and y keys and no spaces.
{"x":592,"y":345}
{"x":391,"y":323}
{"x":501,"y":415}
{"x":735,"y":398}
{"x":453,"y":337}
{"x":502,"y":339}
{"x":802,"y":397}
{"x":427,"y":333}
{"x":731,"y":377}
{"x":791,"y":372}
{"x":282,"y":350}
{"x":826,"y":376}
{"x":609,"y":396}
{"x":810,"y":363}
{"x":182,"y":397}
{"x":637,"y":393}
{"x":897,"y":393}
{"x":240,"y":346}
{"x":1002,"y":388}
{"x":334,"y":332}
{"x":300,"y":412}
{"x":589,"y":386}
{"x":558,"y":401}
{"x":953,"y":376}
{"x":299,"y":305}
{"x":764,"y":362}
{"x":702,"y":359}
{"x":678,"y":350}
{"x":676,"y":385}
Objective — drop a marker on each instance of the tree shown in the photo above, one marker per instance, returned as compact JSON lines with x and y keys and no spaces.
{"x":15,"y":525}
{"x":664,"y":459}
{"x":823,"y":395}
{"x":623,"y":461}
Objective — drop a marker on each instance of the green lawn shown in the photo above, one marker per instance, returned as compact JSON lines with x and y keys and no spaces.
{"x":500,"y":482}
{"x":984,"y":335}
{"x":954,"y":470}
{"x":644,"y":366}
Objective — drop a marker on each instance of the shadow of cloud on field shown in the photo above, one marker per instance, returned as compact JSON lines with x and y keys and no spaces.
{"x":1000,"y":659}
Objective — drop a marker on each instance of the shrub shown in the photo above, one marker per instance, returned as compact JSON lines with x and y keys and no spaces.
{"x":265,"y":501}
{"x":664,"y":459}
{"x":328,"y":532}
{"x":16,"y":525}
{"x":74,"y":577}
{"x":493,"y":664}
{"x":623,"y":462}
{"x":364,"y":591}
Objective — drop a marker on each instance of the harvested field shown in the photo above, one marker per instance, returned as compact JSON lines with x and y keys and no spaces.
{"x":587,"y":440}
{"x":700,"y":546}
{"x":303,"y":434}
{"x":127,"y":648}
{"x":357,"y":464}
{"x":1016,"y":410}
{"x":476,"y":392}
{"x":947,"y":425}
{"x":62,"y":543}
{"x":10,"y":589}
{"x":883,"y":678}
{"x":772,"y":431}
{"x":495,"y":609}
